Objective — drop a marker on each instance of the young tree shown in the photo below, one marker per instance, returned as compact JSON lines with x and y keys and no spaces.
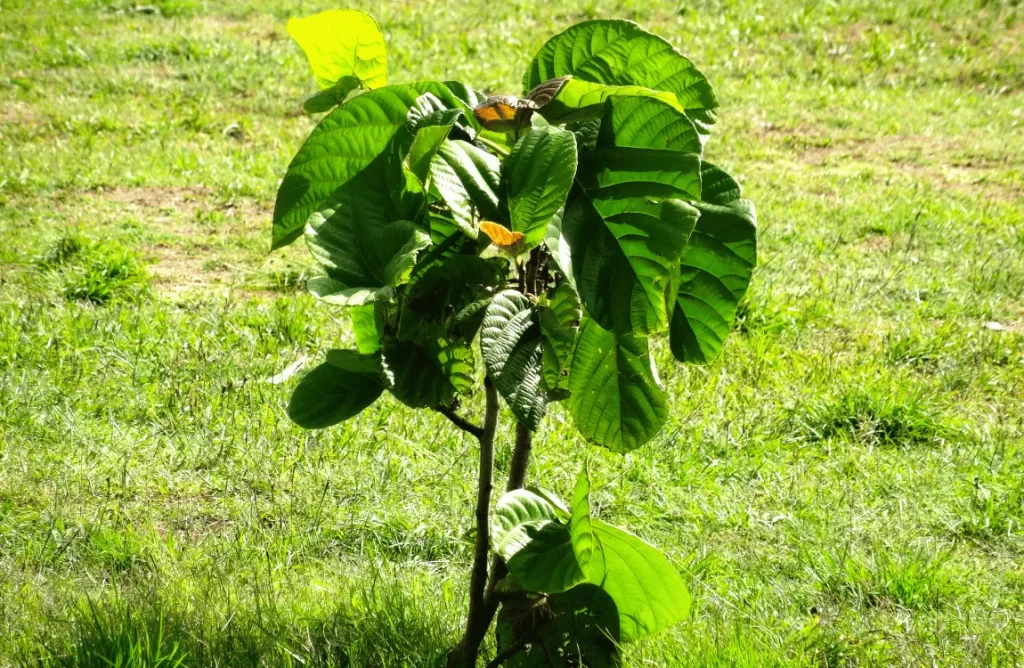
{"x":531,"y":245}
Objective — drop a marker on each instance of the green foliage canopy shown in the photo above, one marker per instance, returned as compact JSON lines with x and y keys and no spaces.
{"x":607,"y":184}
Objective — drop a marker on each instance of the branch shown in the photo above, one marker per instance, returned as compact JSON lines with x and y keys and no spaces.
{"x":480,"y":615}
{"x":462,"y":423}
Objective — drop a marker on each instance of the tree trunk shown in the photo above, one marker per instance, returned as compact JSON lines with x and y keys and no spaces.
{"x":464,"y":654}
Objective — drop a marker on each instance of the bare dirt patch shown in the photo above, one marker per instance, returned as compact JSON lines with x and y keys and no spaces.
{"x":194,"y":237}
{"x":876,"y":243}
{"x":179,"y":208}
{"x":936,"y":161}
{"x":18,"y":113}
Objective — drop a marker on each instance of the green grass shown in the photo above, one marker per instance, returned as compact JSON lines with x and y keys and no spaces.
{"x":845,"y":486}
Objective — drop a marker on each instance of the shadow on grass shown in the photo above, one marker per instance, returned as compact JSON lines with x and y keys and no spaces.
{"x":376,"y":627}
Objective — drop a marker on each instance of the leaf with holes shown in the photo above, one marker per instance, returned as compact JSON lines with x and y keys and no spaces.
{"x":559,"y":314}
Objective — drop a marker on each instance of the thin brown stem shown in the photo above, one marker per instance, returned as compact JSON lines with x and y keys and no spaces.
{"x":520,"y":458}
{"x":479,"y":619}
{"x":532,"y":266}
{"x":516,"y":480}
{"x":462,"y":423}
{"x":483,"y":599}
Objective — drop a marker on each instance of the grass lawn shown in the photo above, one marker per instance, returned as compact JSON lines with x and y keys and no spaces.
{"x":844,"y":486}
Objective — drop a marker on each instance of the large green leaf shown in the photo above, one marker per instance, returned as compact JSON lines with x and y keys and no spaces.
{"x":534,"y":544}
{"x":544,"y":555}
{"x":538,"y":174}
{"x":648,"y":592}
{"x":578,"y":627}
{"x":715,"y":269}
{"x":510,"y":342}
{"x":580,"y":100}
{"x":585,"y":544}
{"x":429,"y":374}
{"x":624,"y":256}
{"x":359,"y":247}
{"x":616,"y":400}
{"x":342,"y":44}
{"x":626,"y":224}
{"x":559,"y":314}
{"x":624,"y":54}
{"x":468,"y":180}
{"x":352,"y":140}
{"x":336,"y":390}
{"x":643,"y":122}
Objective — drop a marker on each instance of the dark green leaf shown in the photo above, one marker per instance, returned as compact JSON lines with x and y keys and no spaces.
{"x":467,"y":322}
{"x":430,"y":374}
{"x":445,"y":289}
{"x":715,"y":270}
{"x":330,"y":394}
{"x":350,"y":140}
{"x":579,"y":627}
{"x":511,"y":345}
{"x":616,"y":398}
{"x":538,"y":175}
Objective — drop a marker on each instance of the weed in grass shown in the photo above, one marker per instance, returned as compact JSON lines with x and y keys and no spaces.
{"x":995,"y":509}
{"x":96,"y":273}
{"x":115,"y":638}
{"x":382,"y":623}
{"x":914,"y":580}
{"x":60,"y":251}
{"x":875,"y":414}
